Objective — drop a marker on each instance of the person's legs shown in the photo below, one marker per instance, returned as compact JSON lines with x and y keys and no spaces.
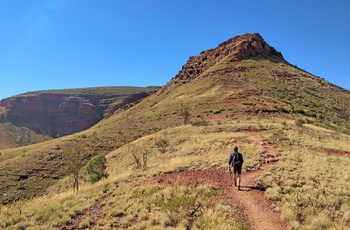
{"x":235,"y":178}
{"x":238,"y":181}
{"x":239,"y":172}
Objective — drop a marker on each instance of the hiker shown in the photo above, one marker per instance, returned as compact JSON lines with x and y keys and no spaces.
{"x":235,"y":163}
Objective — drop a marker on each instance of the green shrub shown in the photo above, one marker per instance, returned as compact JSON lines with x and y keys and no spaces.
{"x":248,"y":103}
{"x":96,"y":168}
{"x":299,"y":122}
{"x":153,"y":104}
{"x":185,"y":114}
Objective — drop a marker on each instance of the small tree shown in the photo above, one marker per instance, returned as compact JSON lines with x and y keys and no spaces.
{"x":299,"y":122}
{"x":96,"y":168}
{"x":137,"y":158}
{"x":73,"y":157}
{"x":185,"y":114}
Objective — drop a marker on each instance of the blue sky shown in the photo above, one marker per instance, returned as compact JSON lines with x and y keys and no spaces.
{"x":60,"y":44}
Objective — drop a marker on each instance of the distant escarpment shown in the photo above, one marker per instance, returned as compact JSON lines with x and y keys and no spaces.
{"x":236,"y":48}
{"x":62,"y":112}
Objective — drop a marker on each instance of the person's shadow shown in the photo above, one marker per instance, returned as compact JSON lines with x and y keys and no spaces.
{"x":248,"y":188}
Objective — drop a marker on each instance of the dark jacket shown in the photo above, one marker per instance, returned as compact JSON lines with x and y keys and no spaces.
{"x":235,"y":158}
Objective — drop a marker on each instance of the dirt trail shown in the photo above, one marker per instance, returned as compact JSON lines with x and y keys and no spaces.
{"x":250,"y":201}
{"x":94,"y":213}
{"x":253,"y":208}
{"x":256,"y":209}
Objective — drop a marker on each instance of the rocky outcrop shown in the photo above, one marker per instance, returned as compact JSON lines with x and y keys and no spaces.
{"x":237,"y":48}
{"x":59,"y":114}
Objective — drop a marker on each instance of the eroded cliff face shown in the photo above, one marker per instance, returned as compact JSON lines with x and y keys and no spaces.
{"x":237,"y":48}
{"x":56,"y":114}
{"x":51,"y":114}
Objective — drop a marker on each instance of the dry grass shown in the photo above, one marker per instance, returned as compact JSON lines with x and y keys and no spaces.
{"x":307,"y":186}
{"x":230,"y":108}
{"x":312,"y":187}
{"x":219,"y":96}
{"x":12,"y":136}
{"x":190,"y":146}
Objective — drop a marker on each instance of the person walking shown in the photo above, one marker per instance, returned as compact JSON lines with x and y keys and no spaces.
{"x":235,"y":163}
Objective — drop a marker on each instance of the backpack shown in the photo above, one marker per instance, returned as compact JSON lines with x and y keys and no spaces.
{"x":238,"y":158}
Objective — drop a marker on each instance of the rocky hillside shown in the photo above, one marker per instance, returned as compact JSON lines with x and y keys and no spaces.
{"x":62,"y":112}
{"x":242,"y":78}
{"x":237,"y":48}
{"x":254,"y":68}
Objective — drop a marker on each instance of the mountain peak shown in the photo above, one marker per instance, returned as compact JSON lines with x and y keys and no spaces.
{"x":237,"y":48}
{"x":249,"y":46}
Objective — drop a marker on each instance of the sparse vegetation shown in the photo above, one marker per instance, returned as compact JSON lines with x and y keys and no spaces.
{"x":96,"y":168}
{"x":299,"y":122}
{"x":185,"y":114}
{"x":200,"y":123}
{"x":73,"y":157}
{"x":310,"y":187}
{"x":207,"y":145}
{"x":252,"y":109}
{"x":120,"y":90}
{"x":162,"y":145}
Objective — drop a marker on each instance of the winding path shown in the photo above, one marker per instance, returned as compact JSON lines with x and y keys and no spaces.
{"x":253,"y":208}
{"x":250,"y":201}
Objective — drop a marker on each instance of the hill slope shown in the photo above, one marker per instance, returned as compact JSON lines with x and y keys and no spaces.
{"x":242,"y":93}
{"x":35,"y":116}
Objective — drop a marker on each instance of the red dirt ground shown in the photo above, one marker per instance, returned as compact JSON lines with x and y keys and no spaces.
{"x":254,"y":208}
{"x":250,"y":201}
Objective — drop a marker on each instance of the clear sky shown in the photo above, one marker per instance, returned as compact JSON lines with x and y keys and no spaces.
{"x":60,"y":44}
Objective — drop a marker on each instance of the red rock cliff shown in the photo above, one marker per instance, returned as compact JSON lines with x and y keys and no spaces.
{"x":56,"y":114}
{"x":237,"y":48}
